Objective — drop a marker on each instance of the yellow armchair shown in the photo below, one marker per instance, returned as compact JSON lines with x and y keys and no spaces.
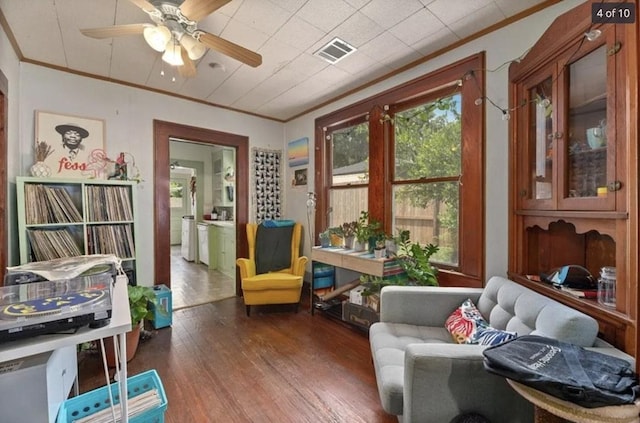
{"x":277,"y":287}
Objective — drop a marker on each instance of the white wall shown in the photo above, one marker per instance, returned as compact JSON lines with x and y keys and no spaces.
{"x":129,"y":114}
{"x":501,"y":46}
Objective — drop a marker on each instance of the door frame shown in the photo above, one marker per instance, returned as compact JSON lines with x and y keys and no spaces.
{"x":162,"y":132}
{"x":4,"y":112}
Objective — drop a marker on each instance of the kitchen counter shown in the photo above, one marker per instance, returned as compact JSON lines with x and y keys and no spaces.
{"x":223,"y":223}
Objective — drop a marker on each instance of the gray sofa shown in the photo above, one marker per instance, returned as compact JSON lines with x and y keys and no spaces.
{"x":423,"y":376}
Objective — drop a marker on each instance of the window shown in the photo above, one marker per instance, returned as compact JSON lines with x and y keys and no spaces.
{"x":349,"y":163}
{"x":427,"y":168}
{"x":413,"y":157}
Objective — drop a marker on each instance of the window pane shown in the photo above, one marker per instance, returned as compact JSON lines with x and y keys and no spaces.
{"x":430,"y":212}
{"x":346,"y":204}
{"x":176,"y":194}
{"x":427,"y":140}
{"x":350,"y":155}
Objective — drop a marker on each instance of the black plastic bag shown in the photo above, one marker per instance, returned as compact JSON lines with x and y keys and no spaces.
{"x":566,"y":371}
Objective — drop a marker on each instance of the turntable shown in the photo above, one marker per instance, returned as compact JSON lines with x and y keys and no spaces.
{"x":29,"y":308}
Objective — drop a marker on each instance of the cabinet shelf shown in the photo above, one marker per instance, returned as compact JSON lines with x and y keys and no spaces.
{"x":107,"y":218}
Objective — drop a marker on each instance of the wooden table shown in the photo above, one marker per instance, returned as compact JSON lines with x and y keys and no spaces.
{"x":549,"y":409}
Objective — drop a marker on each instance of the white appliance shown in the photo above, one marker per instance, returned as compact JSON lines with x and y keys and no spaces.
{"x":32,"y":388}
{"x":203,"y":243}
{"x":189,"y":238}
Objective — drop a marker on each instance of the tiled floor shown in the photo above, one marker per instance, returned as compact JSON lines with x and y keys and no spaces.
{"x":194,"y":284}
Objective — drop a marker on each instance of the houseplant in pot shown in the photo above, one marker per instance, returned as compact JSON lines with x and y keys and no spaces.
{"x":349,"y":233}
{"x":141,"y":299}
{"x":413,"y":258}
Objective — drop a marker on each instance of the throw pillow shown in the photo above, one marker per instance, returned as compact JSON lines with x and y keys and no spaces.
{"x":491,"y":336}
{"x":464,"y":323}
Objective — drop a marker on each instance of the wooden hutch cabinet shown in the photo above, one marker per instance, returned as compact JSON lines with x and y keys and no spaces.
{"x":574,"y":164}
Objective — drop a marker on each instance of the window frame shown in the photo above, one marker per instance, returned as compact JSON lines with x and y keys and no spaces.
{"x":470,"y":73}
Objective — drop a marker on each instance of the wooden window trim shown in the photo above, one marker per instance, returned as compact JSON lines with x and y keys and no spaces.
{"x":470,"y":71}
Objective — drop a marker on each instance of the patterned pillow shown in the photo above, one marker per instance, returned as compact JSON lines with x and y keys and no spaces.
{"x":464,"y":323}
{"x":491,"y":336}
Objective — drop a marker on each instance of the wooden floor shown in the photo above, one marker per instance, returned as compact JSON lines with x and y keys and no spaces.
{"x":193,"y":283}
{"x":218,"y":365}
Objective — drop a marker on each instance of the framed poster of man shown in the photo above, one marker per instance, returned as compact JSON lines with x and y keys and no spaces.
{"x":75,"y":141}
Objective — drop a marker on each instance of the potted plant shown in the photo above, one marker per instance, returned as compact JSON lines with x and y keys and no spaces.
{"x":349,"y":233}
{"x":141,"y":300}
{"x":336,"y":236}
{"x":380,"y":250}
{"x":413,"y":258}
{"x":325,"y":239}
{"x":365,"y":229}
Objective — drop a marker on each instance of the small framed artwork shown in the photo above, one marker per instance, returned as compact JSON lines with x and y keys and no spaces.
{"x":300,"y":177}
{"x":75,"y":143}
{"x":298,"y":152}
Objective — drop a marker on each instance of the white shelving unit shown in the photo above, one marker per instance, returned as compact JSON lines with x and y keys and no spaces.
{"x":223,"y":187}
{"x":65,"y":217}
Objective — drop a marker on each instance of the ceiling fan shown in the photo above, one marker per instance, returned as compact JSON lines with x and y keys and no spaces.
{"x":176,"y":33}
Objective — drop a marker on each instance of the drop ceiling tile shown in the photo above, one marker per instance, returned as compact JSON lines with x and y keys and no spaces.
{"x":384,"y":45}
{"x":244,"y":35}
{"x":357,"y":30}
{"x":435,"y":42}
{"x":289,"y":5}
{"x":299,"y":33}
{"x":41,"y":42}
{"x":477,"y":20}
{"x":132,"y":60}
{"x":326,"y":14}
{"x":237,"y":85}
{"x":307,"y":64}
{"x":269,"y":89}
{"x":401,"y":56}
{"x":263,"y":16}
{"x":449,"y":11}
{"x":389,"y":13}
{"x":417,"y":26}
{"x":214,"y":23}
{"x":512,"y":7}
{"x":356,"y":63}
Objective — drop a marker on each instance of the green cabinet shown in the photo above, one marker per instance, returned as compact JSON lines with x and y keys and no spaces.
{"x":225,"y":247}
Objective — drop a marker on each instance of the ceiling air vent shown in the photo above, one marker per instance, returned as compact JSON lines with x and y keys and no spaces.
{"x":335,"y":50}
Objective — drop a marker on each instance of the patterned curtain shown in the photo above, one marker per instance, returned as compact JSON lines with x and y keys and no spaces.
{"x":267,"y":184}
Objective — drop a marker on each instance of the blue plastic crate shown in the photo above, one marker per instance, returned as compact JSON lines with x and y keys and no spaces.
{"x":162,"y":311}
{"x":98,"y":399}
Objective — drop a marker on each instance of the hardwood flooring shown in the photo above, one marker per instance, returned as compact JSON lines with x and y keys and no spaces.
{"x":194,"y":284}
{"x":218,"y":365}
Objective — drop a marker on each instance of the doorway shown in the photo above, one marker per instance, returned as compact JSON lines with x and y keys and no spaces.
{"x":163,"y":132}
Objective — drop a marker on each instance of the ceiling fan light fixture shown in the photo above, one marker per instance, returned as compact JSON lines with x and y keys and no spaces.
{"x":173,"y":54}
{"x":195,"y":50}
{"x":157,"y":37}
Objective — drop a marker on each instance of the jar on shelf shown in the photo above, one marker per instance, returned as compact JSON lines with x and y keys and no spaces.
{"x":607,"y":286}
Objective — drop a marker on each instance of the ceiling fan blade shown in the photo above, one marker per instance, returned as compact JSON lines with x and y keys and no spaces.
{"x":114,"y":31}
{"x":198,"y":9}
{"x":230,"y":49}
{"x":188,"y":70}
{"x":144,"y":5}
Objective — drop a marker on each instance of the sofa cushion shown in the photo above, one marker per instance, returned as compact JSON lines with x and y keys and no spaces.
{"x":388,"y":344}
{"x":510,"y":306}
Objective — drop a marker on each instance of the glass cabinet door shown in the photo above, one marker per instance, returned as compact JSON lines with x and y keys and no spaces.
{"x":589,"y":140}
{"x":538,"y":180}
